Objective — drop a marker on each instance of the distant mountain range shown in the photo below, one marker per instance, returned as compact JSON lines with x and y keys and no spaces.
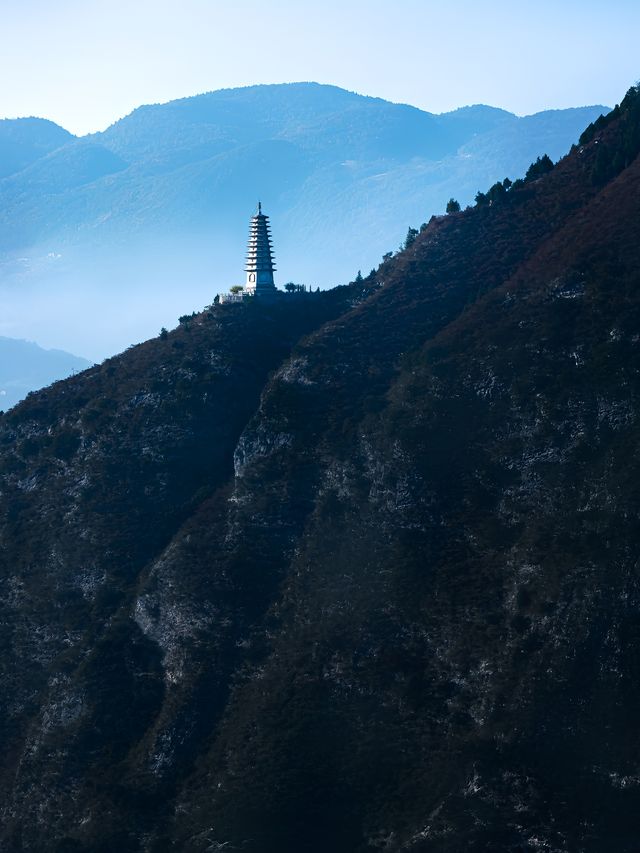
{"x":136,"y":223}
{"x":24,"y":367}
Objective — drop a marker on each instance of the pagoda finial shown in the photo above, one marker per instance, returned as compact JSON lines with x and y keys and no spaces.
{"x":259,"y":207}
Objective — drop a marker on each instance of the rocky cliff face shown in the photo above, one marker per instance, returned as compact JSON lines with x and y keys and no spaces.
{"x":353,"y":572}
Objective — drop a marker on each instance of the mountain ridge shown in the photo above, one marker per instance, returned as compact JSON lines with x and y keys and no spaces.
{"x":24,"y":140}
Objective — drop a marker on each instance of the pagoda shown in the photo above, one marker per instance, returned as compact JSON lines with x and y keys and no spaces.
{"x":260,"y":265}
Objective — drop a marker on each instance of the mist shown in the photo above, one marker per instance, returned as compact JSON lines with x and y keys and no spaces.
{"x":98,"y":303}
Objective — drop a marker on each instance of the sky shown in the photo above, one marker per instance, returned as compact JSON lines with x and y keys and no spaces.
{"x":86,"y":63}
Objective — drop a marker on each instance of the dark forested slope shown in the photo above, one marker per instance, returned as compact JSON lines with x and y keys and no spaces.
{"x":352,"y":572}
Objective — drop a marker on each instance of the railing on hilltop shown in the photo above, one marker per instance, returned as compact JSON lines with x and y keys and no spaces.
{"x":290,"y":289}
{"x":227,"y":298}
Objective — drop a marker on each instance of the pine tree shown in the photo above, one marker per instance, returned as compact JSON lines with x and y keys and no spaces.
{"x":541,"y":166}
{"x":412,"y":233}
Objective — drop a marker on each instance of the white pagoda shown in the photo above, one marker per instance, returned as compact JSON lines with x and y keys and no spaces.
{"x":260,"y":262}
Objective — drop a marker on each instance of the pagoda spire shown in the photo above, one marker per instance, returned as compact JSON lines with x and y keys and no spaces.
{"x":260,"y":262}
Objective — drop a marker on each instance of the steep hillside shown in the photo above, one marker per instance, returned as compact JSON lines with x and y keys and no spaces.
{"x":349,"y":572}
{"x":25,"y":367}
{"x":164,"y":195}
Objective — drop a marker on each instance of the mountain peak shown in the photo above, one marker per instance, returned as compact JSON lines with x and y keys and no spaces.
{"x":24,"y":140}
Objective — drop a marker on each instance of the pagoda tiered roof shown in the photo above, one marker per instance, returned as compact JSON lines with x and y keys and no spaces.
{"x":259,"y":258}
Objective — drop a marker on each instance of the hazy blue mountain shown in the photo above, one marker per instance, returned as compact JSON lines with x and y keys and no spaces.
{"x":322,"y":120}
{"x":130,"y":226}
{"x":25,"y":140}
{"x":48,"y":192}
{"x":24,"y":367}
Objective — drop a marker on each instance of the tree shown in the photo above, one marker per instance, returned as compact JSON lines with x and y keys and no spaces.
{"x":541,"y":166}
{"x":600,"y":123}
{"x":453,"y":206}
{"x":359,"y":278}
{"x":412,"y":233}
{"x":164,"y":334}
{"x":237,"y":288}
{"x":290,"y":287}
{"x":496,"y":192}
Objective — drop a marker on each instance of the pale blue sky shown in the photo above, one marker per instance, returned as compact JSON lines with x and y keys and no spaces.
{"x":85,"y":63}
